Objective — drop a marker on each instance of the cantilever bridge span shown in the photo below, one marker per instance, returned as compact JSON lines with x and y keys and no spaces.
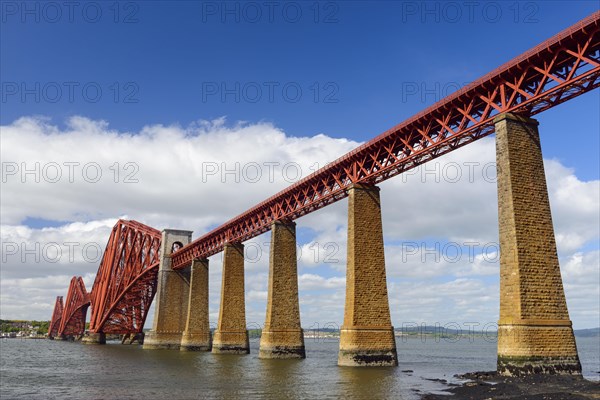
{"x":535,"y":332}
{"x":123,"y":290}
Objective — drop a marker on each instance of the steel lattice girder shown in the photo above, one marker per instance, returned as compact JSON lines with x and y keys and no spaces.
{"x":75,"y":310}
{"x":56,"y":317}
{"x":126,"y":280}
{"x":559,"y":69}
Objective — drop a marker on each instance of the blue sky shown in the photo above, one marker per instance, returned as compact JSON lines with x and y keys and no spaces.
{"x":310,"y":81}
{"x":354,"y":66}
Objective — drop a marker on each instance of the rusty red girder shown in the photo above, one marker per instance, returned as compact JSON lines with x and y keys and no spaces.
{"x":126,"y":280}
{"x":559,"y":69}
{"x":56,"y":317}
{"x":75,"y":309}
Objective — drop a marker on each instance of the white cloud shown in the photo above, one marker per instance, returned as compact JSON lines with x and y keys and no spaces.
{"x":581,"y":276}
{"x":575,"y":207}
{"x":190,"y":177}
{"x":460,"y":300}
{"x":179,"y":187}
{"x":308,"y":282}
{"x":72,"y":249}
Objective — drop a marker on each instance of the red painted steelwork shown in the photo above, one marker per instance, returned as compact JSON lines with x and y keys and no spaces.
{"x":561,"y":68}
{"x":126,"y":280}
{"x":75,"y":310}
{"x":56,"y":317}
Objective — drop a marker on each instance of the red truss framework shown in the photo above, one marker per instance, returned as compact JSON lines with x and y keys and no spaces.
{"x":559,"y":69}
{"x":56,"y":317}
{"x":75,"y":310}
{"x":126,"y":280}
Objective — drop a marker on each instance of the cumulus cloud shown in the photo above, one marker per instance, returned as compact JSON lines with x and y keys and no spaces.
{"x":575,"y":207}
{"x":458,"y":300}
{"x":581,"y":276}
{"x":307,"y":282}
{"x":194,"y":177}
{"x":75,"y":181}
{"x":73,"y":249}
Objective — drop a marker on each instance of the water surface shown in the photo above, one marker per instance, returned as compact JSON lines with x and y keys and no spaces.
{"x":43,"y":369}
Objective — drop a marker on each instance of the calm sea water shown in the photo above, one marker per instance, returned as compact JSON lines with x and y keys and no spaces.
{"x":43,"y":369}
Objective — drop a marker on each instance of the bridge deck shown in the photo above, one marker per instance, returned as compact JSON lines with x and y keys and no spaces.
{"x":561,"y":68}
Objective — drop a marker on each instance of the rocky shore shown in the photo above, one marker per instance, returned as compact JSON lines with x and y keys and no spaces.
{"x":489,"y":385}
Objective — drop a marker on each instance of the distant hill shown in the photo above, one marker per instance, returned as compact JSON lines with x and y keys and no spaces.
{"x":441,"y":330}
{"x":593,"y":332}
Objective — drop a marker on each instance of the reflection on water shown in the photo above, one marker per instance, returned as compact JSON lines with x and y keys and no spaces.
{"x":283,"y":377}
{"x":36,"y":369}
{"x":367,"y":383}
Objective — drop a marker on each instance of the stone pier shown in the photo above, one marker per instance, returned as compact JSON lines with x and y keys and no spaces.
{"x":367,"y":335}
{"x":93,"y":338}
{"x":171,"y":299}
{"x":131,"y":338}
{"x":534,"y":330}
{"x":282,"y":335}
{"x":197,"y":331}
{"x":231,"y":335}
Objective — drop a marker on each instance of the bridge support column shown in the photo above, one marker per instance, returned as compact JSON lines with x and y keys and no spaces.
{"x":171,"y":302}
{"x":231,"y":335}
{"x":94,"y":338}
{"x":367,"y":336}
{"x":197,"y":331}
{"x":534,"y":331}
{"x":130,"y":338}
{"x":282,"y":336}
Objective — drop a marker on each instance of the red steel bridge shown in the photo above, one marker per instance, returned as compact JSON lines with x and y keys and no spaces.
{"x":559,"y":69}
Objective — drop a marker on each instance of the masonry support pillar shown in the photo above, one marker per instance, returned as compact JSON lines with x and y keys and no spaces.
{"x":93,"y":338}
{"x":197,"y":331}
{"x":367,"y":336}
{"x":231,"y":335}
{"x":534,"y":331}
{"x":282,"y":335}
{"x":171,"y":301}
